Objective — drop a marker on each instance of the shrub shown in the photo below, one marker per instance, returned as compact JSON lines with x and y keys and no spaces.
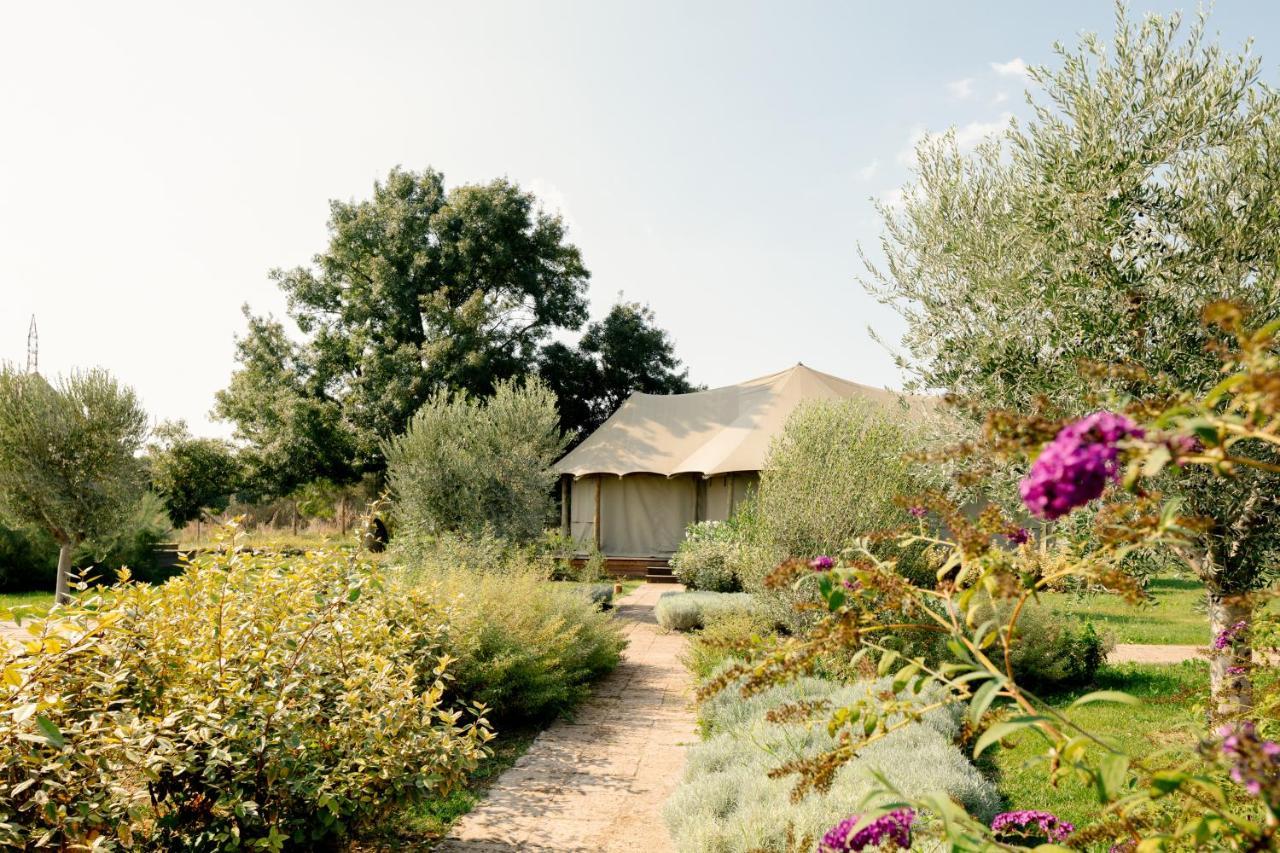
{"x":471,"y":465}
{"x":728,"y":635}
{"x":685,"y":611}
{"x":726,"y":800}
{"x":254,"y":700}
{"x":526,"y":647}
{"x":1051,"y":651}
{"x":707,"y":556}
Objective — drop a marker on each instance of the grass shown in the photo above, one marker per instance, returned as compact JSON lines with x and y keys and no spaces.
{"x":427,"y":823}
{"x":1171,"y":704}
{"x":31,"y":603}
{"x":1176,"y":615}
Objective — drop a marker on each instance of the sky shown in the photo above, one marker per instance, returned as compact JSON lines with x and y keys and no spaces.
{"x":715,"y":160}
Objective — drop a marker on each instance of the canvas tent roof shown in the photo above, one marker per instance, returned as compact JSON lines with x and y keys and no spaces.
{"x":710,"y":432}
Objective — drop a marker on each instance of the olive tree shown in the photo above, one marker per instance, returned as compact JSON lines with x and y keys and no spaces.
{"x":472,"y":465}
{"x":1143,"y":188}
{"x":68,"y":459}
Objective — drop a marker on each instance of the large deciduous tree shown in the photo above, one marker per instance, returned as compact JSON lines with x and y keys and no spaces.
{"x":68,"y":457}
{"x":1144,"y":187}
{"x":421,"y":290}
{"x":192,"y":475}
{"x":623,"y":353}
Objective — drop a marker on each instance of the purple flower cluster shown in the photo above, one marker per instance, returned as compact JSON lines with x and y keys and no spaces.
{"x":918,"y":511}
{"x":1077,"y":465}
{"x":1255,"y":763}
{"x":1021,"y":536}
{"x":1030,"y":823}
{"x":822,"y":564}
{"x":1227,"y":636}
{"x":893,"y":828}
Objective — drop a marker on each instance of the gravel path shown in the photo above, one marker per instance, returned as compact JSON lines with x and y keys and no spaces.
{"x":1133,"y":653}
{"x":598,"y":782}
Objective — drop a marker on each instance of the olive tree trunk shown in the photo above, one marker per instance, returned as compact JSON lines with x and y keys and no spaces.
{"x":1230,"y":654}
{"x":63,"y":591}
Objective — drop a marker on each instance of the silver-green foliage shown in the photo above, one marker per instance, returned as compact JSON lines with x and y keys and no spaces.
{"x":726,"y":802}
{"x":708,"y":556}
{"x":686,"y":611}
{"x":67,"y":456}
{"x":470,"y":465}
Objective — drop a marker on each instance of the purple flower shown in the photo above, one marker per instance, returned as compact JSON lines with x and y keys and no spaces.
{"x":1030,"y":823}
{"x":918,"y":511}
{"x":1236,"y":670}
{"x":1255,"y":763}
{"x":892,"y":828}
{"x":1077,"y":465}
{"x":1227,"y":636}
{"x":821,"y":564}
{"x":1020,"y":536}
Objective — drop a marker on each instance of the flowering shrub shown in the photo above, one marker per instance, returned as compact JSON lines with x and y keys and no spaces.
{"x":1030,"y":825}
{"x":1227,"y":798}
{"x":707,"y":557}
{"x":889,"y":831}
{"x":253,"y":701}
{"x":1080,"y":462}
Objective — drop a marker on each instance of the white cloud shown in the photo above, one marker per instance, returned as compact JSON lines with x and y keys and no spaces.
{"x":967,"y":136}
{"x":1013,"y":68}
{"x":961,"y":88}
{"x":974,"y":132}
{"x":1000,"y":98}
{"x":893,"y":199}
{"x":868,"y":171}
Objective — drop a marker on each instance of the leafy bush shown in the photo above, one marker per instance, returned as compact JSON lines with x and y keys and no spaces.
{"x":1051,"y":650}
{"x":707,"y":557}
{"x":726,"y":800}
{"x":726,"y":636}
{"x":470,"y":465}
{"x":252,"y":701}
{"x":685,"y":611}
{"x":526,"y":647}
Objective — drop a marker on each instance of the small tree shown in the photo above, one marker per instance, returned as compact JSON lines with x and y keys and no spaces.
{"x":67,"y":456}
{"x":191,"y":474}
{"x":839,"y":470}
{"x":467,"y":464}
{"x":1143,"y":189}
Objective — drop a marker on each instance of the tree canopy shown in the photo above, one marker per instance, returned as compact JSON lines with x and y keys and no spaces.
{"x":67,"y":456}
{"x":1143,"y":189}
{"x":190,"y":474}
{"x":623,"y":353}
{"x":421,"y":290}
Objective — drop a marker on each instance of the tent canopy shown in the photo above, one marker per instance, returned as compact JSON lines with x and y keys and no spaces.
{"x":711,"y":432}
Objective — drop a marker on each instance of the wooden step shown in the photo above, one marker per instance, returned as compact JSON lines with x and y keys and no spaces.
{"x":659,"y":574}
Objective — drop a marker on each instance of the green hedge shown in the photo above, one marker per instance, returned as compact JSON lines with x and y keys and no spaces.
{"x":687,"y":611}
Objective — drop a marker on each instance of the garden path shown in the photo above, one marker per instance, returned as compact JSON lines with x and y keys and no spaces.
{"x":597,"y":782}
{"x":1134,"y":653}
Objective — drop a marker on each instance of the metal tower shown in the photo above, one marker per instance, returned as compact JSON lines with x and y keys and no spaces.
{"x":33,"y":348}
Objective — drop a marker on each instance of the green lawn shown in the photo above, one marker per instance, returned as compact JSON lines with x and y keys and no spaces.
{"x":1175,"y":616}
{"x":30,"y":603}
{"x":1171,"y":695}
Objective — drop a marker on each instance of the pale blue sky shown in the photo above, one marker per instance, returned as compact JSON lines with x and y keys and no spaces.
{"x":714,"y":159}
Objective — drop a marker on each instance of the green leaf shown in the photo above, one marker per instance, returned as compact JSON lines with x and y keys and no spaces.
{"x":51,"y":732}
{"x":1111,"y":775}
{"x":1117,"y":696}
{"x":886,"y":662}
{"x":1159,"y":457}
{"x":1000,"y":731}
{"x":983,"y":698}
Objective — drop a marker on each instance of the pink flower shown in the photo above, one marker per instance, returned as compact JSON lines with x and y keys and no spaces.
{"x":822,"y":564}
{"x":1077,"y":465}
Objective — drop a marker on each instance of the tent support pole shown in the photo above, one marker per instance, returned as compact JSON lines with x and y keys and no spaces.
{"x":566,"y":495}
{"x":595,"y":526}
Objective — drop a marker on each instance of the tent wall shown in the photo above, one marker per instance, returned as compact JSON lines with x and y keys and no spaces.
{"x":645,"y":515}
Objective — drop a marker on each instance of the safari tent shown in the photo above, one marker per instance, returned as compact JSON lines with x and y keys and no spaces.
{"x":663,"y":461}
